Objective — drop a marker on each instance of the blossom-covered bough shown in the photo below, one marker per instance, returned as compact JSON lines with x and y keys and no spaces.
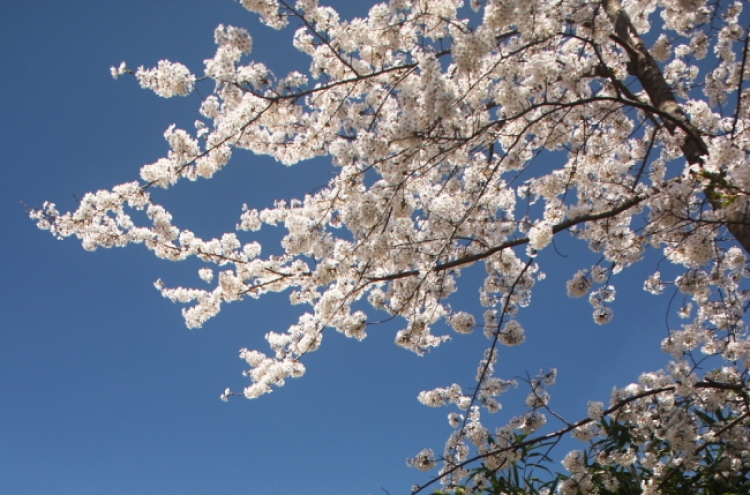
{"x":435,"y":124}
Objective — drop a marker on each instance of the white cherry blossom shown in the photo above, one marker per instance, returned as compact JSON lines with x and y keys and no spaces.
{"x":434,"y":119}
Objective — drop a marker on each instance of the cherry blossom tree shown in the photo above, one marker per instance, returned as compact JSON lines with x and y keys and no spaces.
{"x":435,"y":118}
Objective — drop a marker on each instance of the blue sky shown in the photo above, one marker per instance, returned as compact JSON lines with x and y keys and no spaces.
{"x":104,"y":390}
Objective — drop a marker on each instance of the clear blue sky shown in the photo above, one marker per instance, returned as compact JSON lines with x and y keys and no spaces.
{"x":104,"y":391}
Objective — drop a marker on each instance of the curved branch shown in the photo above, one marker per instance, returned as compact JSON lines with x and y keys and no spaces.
{"x":635,"y":200}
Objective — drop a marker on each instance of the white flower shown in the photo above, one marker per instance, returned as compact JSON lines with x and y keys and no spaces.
{"x":225,"y":396}
{"x":585,"y":433}
{"x":462,"y":322}
{"x":537,"y":398}
{"x":236,"y":37}
{"x":167,"y":79}
{"x":574,"y":461}
{"x":454,"y":419}
{"x":580,"y":284}
{"x":596,"y":410}
{"x":118,"y":71}
{"x":531,"y":421}
{"x":653,"y":284}
{"x":692,"y":282}
{"x":540,"y":236}
{"x":661,"y":49}
{"x":424,"y":461}
{"x":603,"y":315}
{"x":206,"y":274}
{"x":512,"y":334}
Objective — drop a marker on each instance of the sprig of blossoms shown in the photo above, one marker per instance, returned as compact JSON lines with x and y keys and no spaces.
{"x":119,"y":70}
{"x":167,"y":79}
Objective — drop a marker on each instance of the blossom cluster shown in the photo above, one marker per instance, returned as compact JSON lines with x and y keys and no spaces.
{"x":434,"y":123}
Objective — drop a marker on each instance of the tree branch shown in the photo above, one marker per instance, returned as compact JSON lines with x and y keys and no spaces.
{"x":635,"y":200}
{"x":651,"y":78}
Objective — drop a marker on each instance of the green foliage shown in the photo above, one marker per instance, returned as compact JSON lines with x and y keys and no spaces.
{"x":622,"y":460}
